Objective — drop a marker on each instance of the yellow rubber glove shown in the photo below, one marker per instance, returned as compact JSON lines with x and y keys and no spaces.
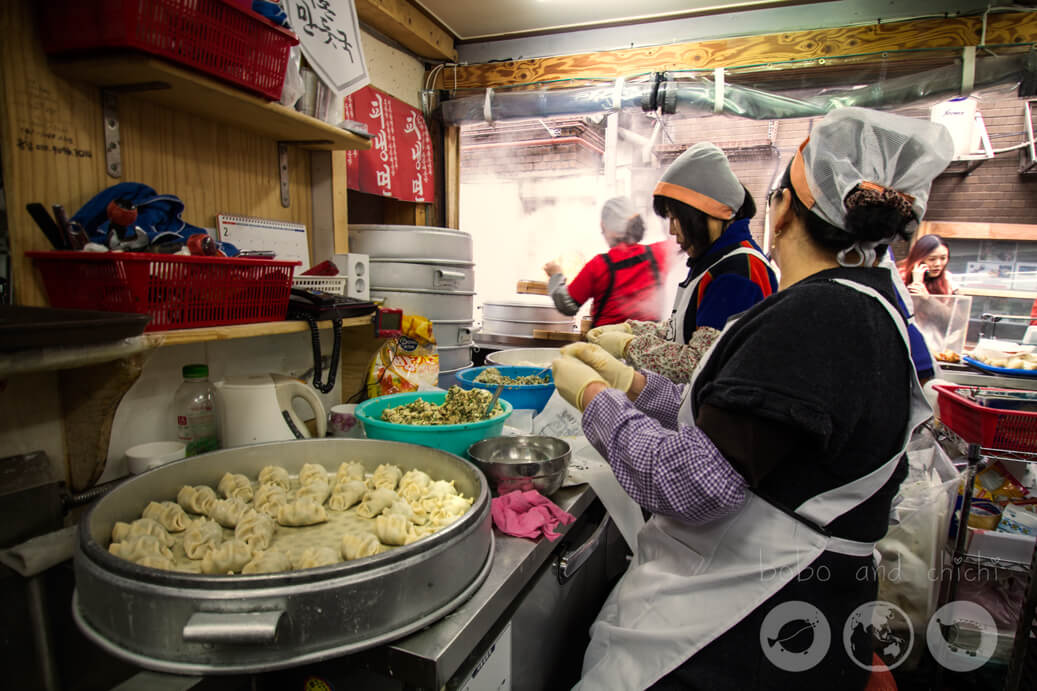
{"x":617,"y":375}
{"x":616,"y":343}
{"x":572,"y":377}
{"x":594,"y":334}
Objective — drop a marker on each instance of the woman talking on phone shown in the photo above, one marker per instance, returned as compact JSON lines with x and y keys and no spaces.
{"x":925,"y":269}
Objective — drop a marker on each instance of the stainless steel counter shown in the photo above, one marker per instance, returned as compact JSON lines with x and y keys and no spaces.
{"x":966,"y":376}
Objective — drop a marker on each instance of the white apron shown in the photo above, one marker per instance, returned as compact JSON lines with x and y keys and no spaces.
{"x":675,"y":330}
{"x":689,"y":584}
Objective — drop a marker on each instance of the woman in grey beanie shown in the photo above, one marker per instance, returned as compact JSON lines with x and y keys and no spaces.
{"x":708,"y":211}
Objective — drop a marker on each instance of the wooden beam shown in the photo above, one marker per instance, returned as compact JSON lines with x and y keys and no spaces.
{"x":981,"y":231}
{"x":452,"y":184}
{"x":1016,"y":27}
{"x":403,"y":22}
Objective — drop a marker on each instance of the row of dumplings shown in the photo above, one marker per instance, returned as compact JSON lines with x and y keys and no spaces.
{"x":405,"y":507}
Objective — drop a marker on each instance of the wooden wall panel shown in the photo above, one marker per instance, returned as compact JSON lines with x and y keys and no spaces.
{"x":731,"y":52}
{"x":214,"y":168}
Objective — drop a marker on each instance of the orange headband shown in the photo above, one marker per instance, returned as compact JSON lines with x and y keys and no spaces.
{"x":695,"y":199}
{"x":798,"y":177}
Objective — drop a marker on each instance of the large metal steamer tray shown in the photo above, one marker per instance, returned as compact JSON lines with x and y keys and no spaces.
{"x":200,"y":624}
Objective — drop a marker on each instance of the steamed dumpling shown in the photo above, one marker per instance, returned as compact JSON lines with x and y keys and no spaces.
{"x":313,"y":557}
{"x":350,"y":470}
{"x":312,"y":472}
{"x":229,"y":557}
{"x":449,"y":510}
{"x":346,"y":494}
{"x":140,"y":546}
{"x":392,"y":529}
{"x":404,"y":509}
{"x":357,"y":545}
{"x":142,"y":526}
{"x":413,"y":485}
{"x":157,"y":562}
{"x":235,"y":486}
{"x":269,"y":561}
{"x":386,"y":476}
{"x":201,"y":538}
{"x":198,"y":499}
{"x":374,"y":501}
{"x":317,"y":491}
{"x":270,"y":498}
{"x":227,"y":512}
{"x":275,"y":475}
{"x":169,"y":514}
{"x":255,"y":529}
{"x":302,"y":512}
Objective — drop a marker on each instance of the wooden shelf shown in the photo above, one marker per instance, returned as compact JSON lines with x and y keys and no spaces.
{"x":224,"y":333}
{"x":180,"y":89}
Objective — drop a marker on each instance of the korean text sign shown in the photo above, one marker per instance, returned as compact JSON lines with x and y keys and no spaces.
{"x":399,"y":163}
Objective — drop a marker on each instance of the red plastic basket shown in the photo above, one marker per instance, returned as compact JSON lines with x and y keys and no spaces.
{"x":991,"y":428}
{"x":211,"y":36}
{"x":179,"y":292}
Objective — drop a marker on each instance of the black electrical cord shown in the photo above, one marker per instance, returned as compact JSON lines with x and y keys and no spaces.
{"x":336,"y":325}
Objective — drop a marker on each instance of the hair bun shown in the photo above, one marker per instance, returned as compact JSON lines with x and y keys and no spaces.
{"x":872,"y":196}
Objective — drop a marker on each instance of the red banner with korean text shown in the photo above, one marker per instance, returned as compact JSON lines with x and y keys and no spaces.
{"x":399,"y":162}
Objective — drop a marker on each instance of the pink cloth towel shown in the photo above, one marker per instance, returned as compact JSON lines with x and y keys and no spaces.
{"x":528,"y":514}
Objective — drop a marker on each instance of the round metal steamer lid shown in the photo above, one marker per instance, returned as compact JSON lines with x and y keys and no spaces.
{"x":198,"y":624}
{"x":409,"y":242}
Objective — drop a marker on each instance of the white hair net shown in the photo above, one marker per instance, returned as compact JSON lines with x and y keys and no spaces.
{"x":854,"y":147}
{"x":616,"y":214}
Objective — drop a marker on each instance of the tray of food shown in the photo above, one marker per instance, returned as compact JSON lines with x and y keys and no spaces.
{"x":1016,"y":365}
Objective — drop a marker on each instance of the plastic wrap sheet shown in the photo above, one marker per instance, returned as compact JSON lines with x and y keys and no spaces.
{"x":910,"y":570}
{"x":760,"y":98}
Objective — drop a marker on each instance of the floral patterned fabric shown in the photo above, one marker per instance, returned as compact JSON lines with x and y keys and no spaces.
{"x":651,"y":351}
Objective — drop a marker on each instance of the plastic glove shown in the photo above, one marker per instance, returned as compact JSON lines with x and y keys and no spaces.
{"x":594,"y":334}
{"x":572,"y":377}
{"x":617,"y":375}
{"x":616,"y":343}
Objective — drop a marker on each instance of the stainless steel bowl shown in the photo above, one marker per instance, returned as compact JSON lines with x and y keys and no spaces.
{"x":522,"y":463}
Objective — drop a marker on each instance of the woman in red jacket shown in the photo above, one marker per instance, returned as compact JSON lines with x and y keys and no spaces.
{"x":625,"y":282}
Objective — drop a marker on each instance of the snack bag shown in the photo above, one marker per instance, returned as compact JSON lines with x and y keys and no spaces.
{"x":406,"y":362}
{"x":995,"y":483}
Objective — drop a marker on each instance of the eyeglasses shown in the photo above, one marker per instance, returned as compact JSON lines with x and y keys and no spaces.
{"x":770,"y":195}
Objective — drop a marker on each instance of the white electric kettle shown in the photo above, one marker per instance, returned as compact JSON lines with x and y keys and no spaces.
{"x":258,"y":409}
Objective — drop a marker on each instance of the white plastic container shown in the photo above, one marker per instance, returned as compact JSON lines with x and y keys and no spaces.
{"x":144,"y":457}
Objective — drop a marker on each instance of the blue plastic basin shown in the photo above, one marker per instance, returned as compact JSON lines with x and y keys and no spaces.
{"x":453,"y":438}
{"x":532,"y":397}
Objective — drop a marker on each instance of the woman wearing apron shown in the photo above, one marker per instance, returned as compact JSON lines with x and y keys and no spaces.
{"x":708,"y":211}
{"x":771,"y":475}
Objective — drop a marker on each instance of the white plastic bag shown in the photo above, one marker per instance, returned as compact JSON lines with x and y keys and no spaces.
{"x":293,"y":88}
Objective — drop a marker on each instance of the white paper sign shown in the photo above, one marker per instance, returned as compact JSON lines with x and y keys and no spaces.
{"x":330,"y":39}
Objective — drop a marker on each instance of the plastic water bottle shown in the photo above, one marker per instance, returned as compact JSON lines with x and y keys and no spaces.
{"x":195,"y":408}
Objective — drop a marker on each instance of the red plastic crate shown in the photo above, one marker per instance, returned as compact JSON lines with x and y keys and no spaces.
{"x":215,"y":37}
{"x":991,"y":428}
{"x":179,"y":292}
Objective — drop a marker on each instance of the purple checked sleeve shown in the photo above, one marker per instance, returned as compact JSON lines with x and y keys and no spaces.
{"x":678,"y":473}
